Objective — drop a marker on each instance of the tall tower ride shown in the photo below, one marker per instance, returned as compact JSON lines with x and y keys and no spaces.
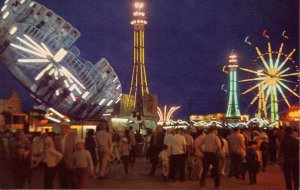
{"x":139,"y":85}
{"x":233,"y":105}
{"x":262,"y":104}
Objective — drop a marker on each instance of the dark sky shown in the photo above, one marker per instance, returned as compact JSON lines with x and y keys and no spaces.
{"x":187,"y":43}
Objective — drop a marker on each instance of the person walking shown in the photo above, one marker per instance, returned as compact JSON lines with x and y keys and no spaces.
{"x":90,"y":145}
{"x":65,"y":144}
{"x":156,"y":145}
{"x":211,"y":147}
{"x":189,"y":155}
{"x":178,"y":149}
{"x":51,"y":158}
{"x":264,"y":148}
{"x":104,"y":145}
{"x":132,"y":142}
{"x":252,"y":161}
{"x":289,"y":156}
{"x":198,"y":151}
{"x":125,"y":151}
{"x":83,"y":165}
{"x":115,"y":145}
{"x":237,"y":149}
{"x":224,"y":152}
{"x":164,"y":156}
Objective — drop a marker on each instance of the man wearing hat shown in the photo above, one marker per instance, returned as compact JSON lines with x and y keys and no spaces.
{"x":65,"y":144}
{"x":211,"y":145}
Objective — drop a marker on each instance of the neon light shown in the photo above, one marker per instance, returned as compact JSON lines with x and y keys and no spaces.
{"x":53,"y":119}
{"x":60,"y":55}
{"x":109,"y":103}
{"x":73,"y":97}
{"x":13,"y":30}
{"x":33,"y":61}
{"x":85,"y":94}
{"x":5,"y":15}
{"x":27,"y":50}
{"x":3,"y":8}
{"x":102,"y":101}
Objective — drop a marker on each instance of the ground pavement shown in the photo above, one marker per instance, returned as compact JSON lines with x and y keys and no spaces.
{"x":138,"y":178}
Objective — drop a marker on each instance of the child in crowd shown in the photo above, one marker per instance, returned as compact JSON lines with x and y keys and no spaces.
{"x":83,"y":164}
{"x":164,"y":156}
{"x":124,"y":151}
{"x":252,"y":161}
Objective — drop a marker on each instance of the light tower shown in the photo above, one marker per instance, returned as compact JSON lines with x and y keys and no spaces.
{"x":139,"y":85}
{"x":233,"y":105}
{"x":262,"y":104}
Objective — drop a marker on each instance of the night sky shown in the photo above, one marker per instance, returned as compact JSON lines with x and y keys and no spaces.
{"x":187,"y":43}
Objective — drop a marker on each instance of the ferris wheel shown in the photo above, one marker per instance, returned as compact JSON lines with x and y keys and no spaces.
{"x":274,"y":77}
{"x":37,"y":48}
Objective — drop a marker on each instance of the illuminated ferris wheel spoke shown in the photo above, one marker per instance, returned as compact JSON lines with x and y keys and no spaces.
{"x":35,"y":44}
{"x":31,"y":46}
{"x":33,"y":61}
{"x":286,"y":59}
{"x":254,"y":99}
{"x":262,"y":58}
{"x":42,"y":73}
{"x":286,"y":80}
{"x":284,"y":71}
{"x":283,"y":95}
{"x":290,"y":90}
{"x":48,"y":51}
{"x":27,"y":50}
{"x":252,"y":88}
{"x":248,"y":70}
{"x":278,"y":56}
{"x":253,"y":79}
{"x":68,"y":74}
{"x":291,"y":74}
{"x":270,"y":54}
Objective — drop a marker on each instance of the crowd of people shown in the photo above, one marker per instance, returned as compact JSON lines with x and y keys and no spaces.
{"x":182,"y":154}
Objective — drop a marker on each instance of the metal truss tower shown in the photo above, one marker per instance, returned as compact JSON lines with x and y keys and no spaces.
{"x":139,"y":84}
{"x":233,"y":105}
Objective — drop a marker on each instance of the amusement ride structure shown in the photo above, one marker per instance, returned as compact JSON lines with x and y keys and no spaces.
{"x":165,"y":116}
{"x":233,"y":109}
{"x":275,"y":73}
{"x":138,"y":104}
{"x":36,"y":46}
{"x":139,"y":84}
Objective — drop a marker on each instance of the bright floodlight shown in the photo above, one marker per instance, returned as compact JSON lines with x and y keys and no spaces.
{"x":60,"y":55}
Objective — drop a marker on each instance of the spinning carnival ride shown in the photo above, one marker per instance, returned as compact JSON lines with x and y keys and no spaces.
{"x":276,"y":75}
{"x":36,"y":46}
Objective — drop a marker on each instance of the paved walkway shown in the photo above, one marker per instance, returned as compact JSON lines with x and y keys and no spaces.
{"x":138,"y":178}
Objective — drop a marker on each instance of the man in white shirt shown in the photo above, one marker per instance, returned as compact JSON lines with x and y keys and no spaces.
{"x":211,"y":145}
{"x":104,"y":144}
{"x":65,"y":144}
{"x":237,"y":149}
{"x":178,"y":149}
